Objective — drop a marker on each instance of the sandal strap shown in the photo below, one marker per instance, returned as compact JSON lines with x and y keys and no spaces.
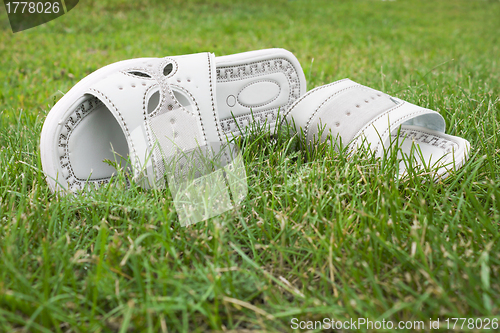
{"x":155,"y":134}
{"x":357,"y":115}
{"x":376,"y":134}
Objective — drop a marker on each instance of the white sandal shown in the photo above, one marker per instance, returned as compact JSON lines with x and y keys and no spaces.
{"x":361,"y":116}
{"x":147,"y":110}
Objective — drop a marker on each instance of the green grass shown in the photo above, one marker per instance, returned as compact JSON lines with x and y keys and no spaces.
{"x":318,"y":235}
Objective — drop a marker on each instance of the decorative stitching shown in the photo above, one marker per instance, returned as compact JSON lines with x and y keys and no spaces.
{"x":166,"y":92}
{"x":306,"y":128}
{"x":174,"y":70}
{"x":358,"y":134}
{"x":444,"y":145}
{"x":256,"y":82}
{"x":190,"y":95}
{"x":160,"y":103}
{"x":411,"y":115}
{"x":262,"y":116}
{"x":165,"y":87}
{"x":127,"y":132}
{"x":136,"y":76}
{"x":212,"y":96}
{"x":146,"y":117}
{"x":63,"y":142}
{"x":275,"y":65}
{"x":169,"y":97}
{"x":297,"y":102}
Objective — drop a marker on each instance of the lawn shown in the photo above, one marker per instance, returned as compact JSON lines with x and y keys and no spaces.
{"x":318,"y":236}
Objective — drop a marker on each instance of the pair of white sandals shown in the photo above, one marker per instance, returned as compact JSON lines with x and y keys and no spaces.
{"x":150,"y":115}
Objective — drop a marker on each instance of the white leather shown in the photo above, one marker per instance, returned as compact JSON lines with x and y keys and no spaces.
{"x":196,"y":75}
{"x":257,"y":86}
{"x":97,"y":130}
{"x":356,"y":116}
{"x":436,"y":151}
{"x":161,"y":115}
{"x":306,"y":107}
{"x":267,"y":93}
{"x":153,"y":136}
{"x":120,"y":93}
{"x":377,"y":132}
{"x":354,"y":112}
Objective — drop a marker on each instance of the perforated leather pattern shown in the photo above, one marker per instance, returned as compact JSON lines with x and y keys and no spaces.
{"x":254,"y":70}
{"x":174,"y":128}
{"x":80,"y":112}
{"x":347,"y":111}
{"x":419,"y":136}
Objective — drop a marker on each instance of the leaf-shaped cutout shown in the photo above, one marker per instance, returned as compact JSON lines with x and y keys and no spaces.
{"x":168,"y":69}
{"x":181,"y":98}
{"x":153,"y":101}
{"x":140,"y":74}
